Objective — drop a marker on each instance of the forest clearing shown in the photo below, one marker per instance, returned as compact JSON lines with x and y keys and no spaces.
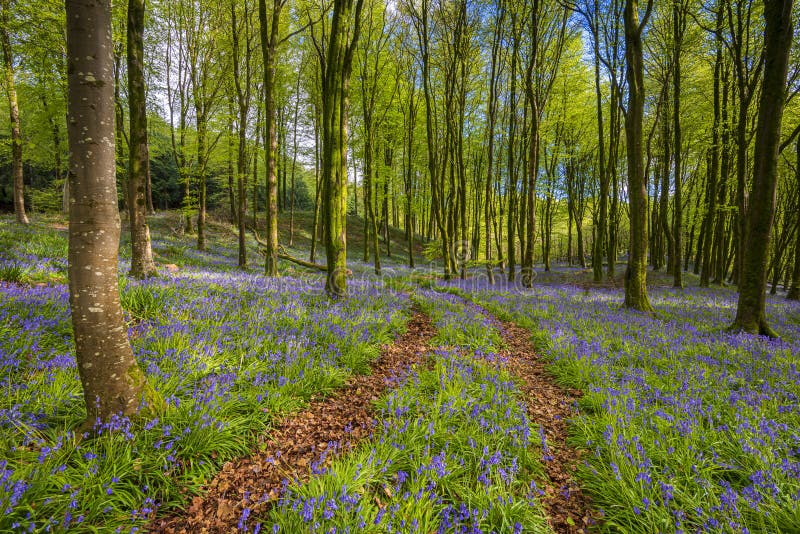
{"x":435,"y":266}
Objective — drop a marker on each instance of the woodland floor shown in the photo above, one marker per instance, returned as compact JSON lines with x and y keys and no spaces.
{"x":414,"y":405}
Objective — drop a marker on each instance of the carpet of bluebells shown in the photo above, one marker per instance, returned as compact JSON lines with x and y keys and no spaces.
{"x":229,"y":352}
{"x":688,"y":428}
{"x":691,"y":428}
{"x":453,"y":450}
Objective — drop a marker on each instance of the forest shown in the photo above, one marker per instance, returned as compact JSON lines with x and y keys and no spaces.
{"x":451,"y":266}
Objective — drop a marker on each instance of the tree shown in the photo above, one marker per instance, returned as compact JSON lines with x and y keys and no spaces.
{"x":111,"y":379}
{"x":421,"y":22}
{"x":751,"y":308}
{"x":679,"y":28}
{"x":591,"y":13}
{"x":794,"y":291}
{"x":491,"y":117}
{"x":13,"y":107}
{"x":548,"y":28}
{"x":142,"y":264}
{"x":243,"y":90}
{"x":714,"y":164}
{"x":372,"y":62}
{"x":269,"y":33}
{"x":636,"y":274}
{"x":206,"y":67}
{"x":512,"y":165}
{"x":336,"y":63}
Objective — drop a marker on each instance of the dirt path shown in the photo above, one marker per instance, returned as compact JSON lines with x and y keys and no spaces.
{"x":300,"y":442}
{"x":550,"y":406}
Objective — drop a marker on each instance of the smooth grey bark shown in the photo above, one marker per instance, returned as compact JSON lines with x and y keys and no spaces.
{"x":111,"y":379}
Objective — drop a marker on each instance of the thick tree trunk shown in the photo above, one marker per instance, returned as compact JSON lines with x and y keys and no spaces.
{"x":345,"y":26}
{"x":636,"y":275}
{"x":269,"y":42}
{"x":142,"y":265}
{"x":13,"y":106}
{"x":111,"y":379}
{"x":751,"y":309}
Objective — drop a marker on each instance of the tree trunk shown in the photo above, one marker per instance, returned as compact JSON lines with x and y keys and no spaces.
{"x":387,"y":236}
{"x":56,"y":133}
{"x":318,"y":184}
{"x":229,"y":160}
{"x":636,"y":275}
{"x":511,"y":192}
{"x":666,"y":230}
{"x":530,"y":200}
{"x":436,"y":215}
{"x":794,"y":291}
{"x":370,"y":221}
{"x":491,"y":112}
{"x":142,"y":265}
{"x":751,"y":309}
{"x":269,"y":43}
{"x":678,"y":24}
{"x":258,"y":127}
{"x":294,"y":160}
{"x":713,"y":173}
{"x":602,"y":219}
{"x":722,"y":237}
{"x":111,"y":379}
{"x":613,"y":178}
{"x":345,"y":26}
{"x":409,"y":172}
{"x":533,"y":151}
{"x":242,"y":86}
{"x":202,"y":132}
{"x":13,"y":106}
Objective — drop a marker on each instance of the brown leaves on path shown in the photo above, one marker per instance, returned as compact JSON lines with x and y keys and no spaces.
{"x":550,"y":406}
{"x":300,"y":442}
